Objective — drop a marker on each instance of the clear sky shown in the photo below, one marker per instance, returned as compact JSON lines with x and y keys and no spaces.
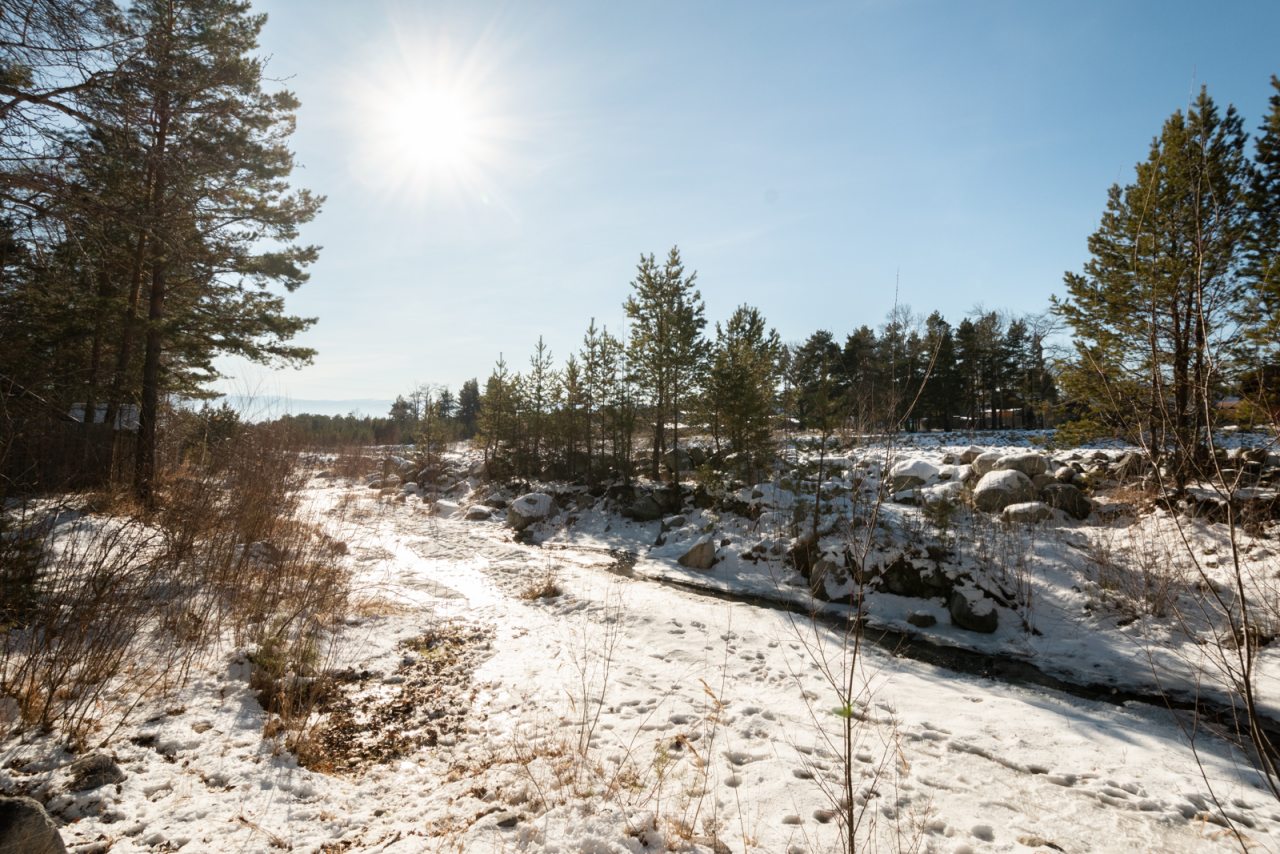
{"x":494,"y":170}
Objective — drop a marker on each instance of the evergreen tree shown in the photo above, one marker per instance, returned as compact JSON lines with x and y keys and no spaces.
{"x":816,"y":374}
{"x":1152,"y":311}
{"x":940,"y":397}
{"x":666,"y":349}
{"x":860,"y":375}
{"x":542,"y":392}
{"x":220,"y":219}
{"x":468,"y":408}
{"x":1262,"y":244}
{"x":742,"y":382}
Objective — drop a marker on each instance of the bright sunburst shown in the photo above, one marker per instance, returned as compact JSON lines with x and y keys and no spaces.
{"x":428,"y":128}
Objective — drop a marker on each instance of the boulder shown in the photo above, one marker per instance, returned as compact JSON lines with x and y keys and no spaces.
{"x":1065,"y":474}
{"x":1029,"y":463}
{"x":478,"y":513}
{"x":701,"y":556}
{"x":998,"y":489}
{"x":93,"y":772}
{"x":1026,"y":513}
{"x":25,"y":828}
{"x":1067,"y":498}
{"x":985,"y":462}
{"x":910,"y":473}
{"x":645,"y":509}
{"x":970,"y":454}
{"x":444,"y":509}
{"x":529,"y":508}
{"x":973,"y":612}
{"x":950,"y":494}
{"x":903,"y":578}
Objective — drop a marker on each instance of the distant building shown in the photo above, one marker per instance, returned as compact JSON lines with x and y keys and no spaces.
{"x":126,"y":415}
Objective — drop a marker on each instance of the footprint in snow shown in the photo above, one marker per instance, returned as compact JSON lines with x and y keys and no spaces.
{"x":740,"y":757}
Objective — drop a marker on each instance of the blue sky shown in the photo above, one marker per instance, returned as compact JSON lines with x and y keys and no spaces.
{"x":804,"y":156}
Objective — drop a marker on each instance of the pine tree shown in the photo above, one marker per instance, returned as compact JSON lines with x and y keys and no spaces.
{"x":666,"y":348}
{"x":940,"y":397}
{"x":816,"y":374}
{"x":1152,"y":312}
{"x":742,"y":383}
{"x":468,"y":407}
{"x":217,"y":167}
{"x":1262,"y":245}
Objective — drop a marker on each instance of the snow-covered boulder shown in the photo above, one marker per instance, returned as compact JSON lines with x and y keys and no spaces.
{"x":529,"y":508}
{"x":985,"y":462}
{"x":1029,"y":463}
{"x":998,"y":489}
{"x":969,"y":454}
{"x":972,"y":611}
{"x":950,"y":494}
{"x":444,"y":509}
{"x":478,"y":513}
{"x":702,"y":555}
{"x":1026,"y":513}
{"x":910,"y":473}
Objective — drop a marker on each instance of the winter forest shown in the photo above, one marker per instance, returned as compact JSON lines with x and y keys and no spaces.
{"x":933,"y":580}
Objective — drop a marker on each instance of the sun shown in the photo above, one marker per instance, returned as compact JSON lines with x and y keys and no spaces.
{"x":433,"y":129}
{"x":427,"y":129}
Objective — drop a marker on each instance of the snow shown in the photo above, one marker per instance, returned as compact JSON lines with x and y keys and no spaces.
{"x":629,"y":715}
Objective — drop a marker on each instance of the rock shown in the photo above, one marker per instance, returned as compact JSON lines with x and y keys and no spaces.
{"x":444,"y":509}
{"x":645,"y":509}
{"x":903,"y":578}
{"x":681,"y":458}
{"x":985,"y":462}
{"x":1026,"y":513}
{"x":1067,"y":498}
{"x":949,"y":494}
{"x":478,"y":513}
{"x":1030,"y":464}
{"x":701,"y":556}
{"x":910,"y":473}
{"x":391,"y":481}
{"x":529,"y":508}
{"x":1040,"y":481}
{"x":1129,"y":466}
{"x":672,"y":522}
{"x":1065,"y":474}
{"x":922,"y":619}
{"x":824,"y":568}
{"x":25,"y":828}
{"x":506,"y":820}
{"x":975,"y":615}
{"x":970,"y":454}
{"x":410,"y":488}
{"x":94,"y":771}
{"x":998,"y":489}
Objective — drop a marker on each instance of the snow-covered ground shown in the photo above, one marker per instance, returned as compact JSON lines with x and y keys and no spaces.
{"x":627,"y":715}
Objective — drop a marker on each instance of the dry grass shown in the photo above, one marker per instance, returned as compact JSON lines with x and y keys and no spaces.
{"x":545,"y":586}
{"x":226,"y":558}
